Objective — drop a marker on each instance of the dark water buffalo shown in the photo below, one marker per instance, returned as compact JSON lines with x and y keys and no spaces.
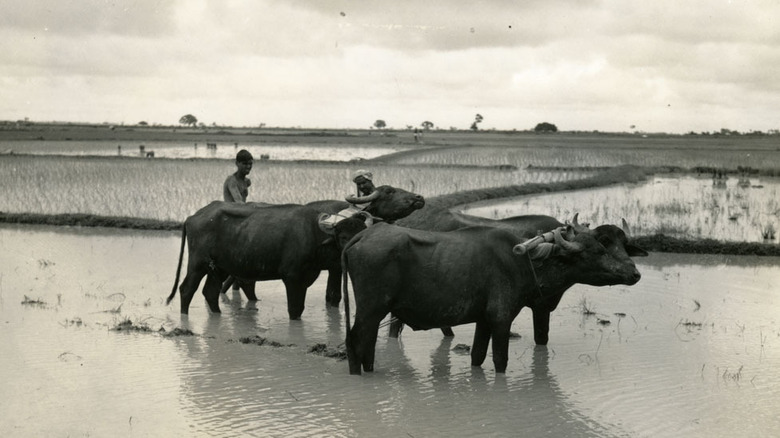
{"x":432,"y":219}
{"x":446,"y":220}
{"x":442,"y":279}
{"x":333,"y":290}
{"x":256,"y":242}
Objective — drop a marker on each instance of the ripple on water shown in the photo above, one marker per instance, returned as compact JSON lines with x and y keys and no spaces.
{"x":593,"y":379}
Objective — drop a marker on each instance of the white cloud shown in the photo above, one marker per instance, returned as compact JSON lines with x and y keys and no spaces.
{"x":582,"y":65}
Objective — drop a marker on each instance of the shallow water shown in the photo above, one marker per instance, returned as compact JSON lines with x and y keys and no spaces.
{"x":692,"y":350}
{"x":283,"y":152}
{"x":731,"y":209}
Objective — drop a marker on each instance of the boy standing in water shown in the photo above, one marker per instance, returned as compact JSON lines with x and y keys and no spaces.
{"x":236,"y":186}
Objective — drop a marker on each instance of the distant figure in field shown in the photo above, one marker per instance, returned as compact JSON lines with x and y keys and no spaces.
{"x":236,"y":186}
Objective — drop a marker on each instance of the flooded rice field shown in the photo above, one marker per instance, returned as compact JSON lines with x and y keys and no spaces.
{"x":174,"y":189}
{"x":733,"y":209}
{"x":692,"y":350}
{"x":325,"y":151}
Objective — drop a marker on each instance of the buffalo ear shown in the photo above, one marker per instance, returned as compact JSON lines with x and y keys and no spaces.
{"x":635,"y":251}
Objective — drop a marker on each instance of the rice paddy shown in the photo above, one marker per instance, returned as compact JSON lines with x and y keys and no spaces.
{"x":174,"y":189}
{"x":686,"y":207}
{"x":83,"y":311}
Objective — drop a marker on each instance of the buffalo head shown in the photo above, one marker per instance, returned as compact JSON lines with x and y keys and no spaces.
{"x":390,"y":203}
{"x":598,"y":257}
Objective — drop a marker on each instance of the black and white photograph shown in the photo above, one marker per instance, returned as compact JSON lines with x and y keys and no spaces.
{"x":343,"y":218}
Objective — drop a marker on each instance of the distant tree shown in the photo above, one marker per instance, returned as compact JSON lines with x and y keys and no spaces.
{"x":380,"y":124}
{"x":188,"y":119}
{"x":546,"y":127}
{"x":142,"y":123}
{"x":426,"y":125}
{"x":477,"y":120}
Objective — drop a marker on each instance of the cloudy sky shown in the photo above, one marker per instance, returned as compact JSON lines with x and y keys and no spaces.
{"x":661,"y":65}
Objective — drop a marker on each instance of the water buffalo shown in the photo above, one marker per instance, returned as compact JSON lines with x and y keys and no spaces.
{"x":256,"y":242}
{"x":442,"y":279}
{"x":447,"y":220}
{"x":524,"y":226}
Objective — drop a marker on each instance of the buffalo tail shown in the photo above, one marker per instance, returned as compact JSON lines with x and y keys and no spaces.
{"x":345,"y":290}
{"x":178,"y":268}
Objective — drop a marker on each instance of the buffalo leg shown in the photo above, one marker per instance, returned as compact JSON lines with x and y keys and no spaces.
{"x":363,"y":335}
{"x":500,"y":348}
{"x":369,"y":345}
{"x":395,"y":329}
{"x":248,"y":287}
{"x":480,"y":345}
{"x":211,"y":292}
{"x":296,"y":298}
{"x":226,"y":284}
{"x":188,"y":287}
{"x":333,"y":291}
{"x":541,"y":326}
{"x":447,"y":332}
{"x":353,"y":356}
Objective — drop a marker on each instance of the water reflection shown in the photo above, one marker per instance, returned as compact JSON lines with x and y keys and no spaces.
{"x":178,"y":150}
{"x":697,"y":347}
{"x":683,"y":207}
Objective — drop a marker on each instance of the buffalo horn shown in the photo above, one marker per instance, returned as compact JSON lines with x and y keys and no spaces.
{"x":576,"y":224}
{"x":362,"y":199}
{"x":570,"y":247}
{"x":626,"y":229}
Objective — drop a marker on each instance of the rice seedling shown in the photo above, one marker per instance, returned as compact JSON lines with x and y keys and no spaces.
{"x":768,"y":233}
{"x":339,"y":352}
{"x":175,"y":332}
{"x":685,"y":207}
{"x":462,"y":349}
{"x":734,"y":376}
{"x":174,"y":189}
{"x":127,"y":325}
{"x":585,"y":307}
{"x":37,"y":302}
{"x":72,"y":322}
{"x":573,"y":152}
{"x":261,"y":341}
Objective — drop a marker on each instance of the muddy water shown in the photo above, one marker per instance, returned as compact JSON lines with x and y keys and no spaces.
{"x":692,"y":350}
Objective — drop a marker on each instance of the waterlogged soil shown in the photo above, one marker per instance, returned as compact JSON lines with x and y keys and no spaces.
{"x":91,"y":349}
{"x":731,"y":209}
{"x":323,"y":151}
